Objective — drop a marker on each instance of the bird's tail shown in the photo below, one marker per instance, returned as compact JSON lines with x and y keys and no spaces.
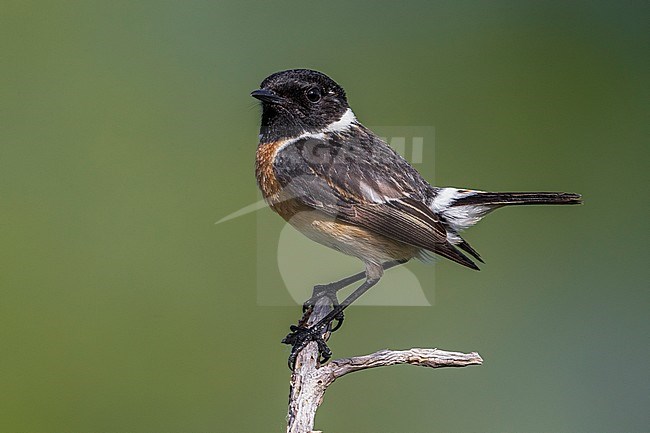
{"x":459,"y":209}
{"x":498,"y":199}
{"x":462,"y":208}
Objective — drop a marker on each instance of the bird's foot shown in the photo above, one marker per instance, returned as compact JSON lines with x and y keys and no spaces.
{"x":301,"y":336}
{"x":326,"y":291}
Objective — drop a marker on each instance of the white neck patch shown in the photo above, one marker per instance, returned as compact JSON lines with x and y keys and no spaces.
{"x":343,"y":123}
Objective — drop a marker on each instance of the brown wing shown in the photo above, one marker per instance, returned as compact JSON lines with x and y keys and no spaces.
{"x":373,"y":188}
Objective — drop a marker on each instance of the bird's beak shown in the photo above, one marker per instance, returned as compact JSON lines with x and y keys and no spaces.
{"x":267,"y":96}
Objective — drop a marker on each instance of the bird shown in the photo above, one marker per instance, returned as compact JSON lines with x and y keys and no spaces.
{"x":342,"y":186}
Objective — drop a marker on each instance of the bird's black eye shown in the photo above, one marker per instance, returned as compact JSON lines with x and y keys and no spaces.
{"x":313,"y":94}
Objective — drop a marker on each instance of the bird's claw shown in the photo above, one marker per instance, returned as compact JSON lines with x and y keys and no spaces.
{"x":329,"y":293}
{"x":300,"y":337}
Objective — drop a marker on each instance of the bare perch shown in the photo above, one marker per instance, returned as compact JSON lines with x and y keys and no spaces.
{"x":309,"y":382}
{"x":432,"y":358}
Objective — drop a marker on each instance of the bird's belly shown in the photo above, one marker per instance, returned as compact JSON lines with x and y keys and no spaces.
{"x":351,"y":240}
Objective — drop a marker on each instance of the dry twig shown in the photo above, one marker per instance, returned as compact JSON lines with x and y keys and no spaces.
{"x":309,"y":381}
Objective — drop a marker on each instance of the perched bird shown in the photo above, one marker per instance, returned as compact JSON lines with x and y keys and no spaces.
{"x":342,"y":186}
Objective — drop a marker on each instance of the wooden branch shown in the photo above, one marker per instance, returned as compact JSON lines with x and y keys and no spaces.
{"x":432,"y":358}
{"x":309,"y":381}
{"x":306,"y":389}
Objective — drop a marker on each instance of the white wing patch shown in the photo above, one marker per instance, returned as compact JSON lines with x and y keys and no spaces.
{"x":370,"y":193}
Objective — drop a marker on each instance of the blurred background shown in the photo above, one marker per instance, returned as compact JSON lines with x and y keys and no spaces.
{"x":128,"y":130}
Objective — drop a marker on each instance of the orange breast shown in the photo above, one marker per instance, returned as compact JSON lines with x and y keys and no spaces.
{"x":266,"y":179}
{"x":268,"y":182}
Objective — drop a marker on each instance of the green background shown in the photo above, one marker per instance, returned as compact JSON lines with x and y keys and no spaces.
{"x":128,"y":130}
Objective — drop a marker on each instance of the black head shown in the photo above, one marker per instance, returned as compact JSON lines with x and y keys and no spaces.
{"x":297,"y":101}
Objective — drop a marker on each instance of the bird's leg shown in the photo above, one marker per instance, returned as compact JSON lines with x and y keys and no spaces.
{"x":301,"y":336}
{"x":329,"y":291}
